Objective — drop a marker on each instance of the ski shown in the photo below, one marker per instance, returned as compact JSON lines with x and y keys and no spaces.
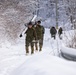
{"x":32,"y":20}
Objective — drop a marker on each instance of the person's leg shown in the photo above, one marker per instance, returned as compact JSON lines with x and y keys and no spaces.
{"x":54,"y":36}
{"x":60,"y":36}
{"x":27,"y":47}
{"x":36,"y":46}
{"x":40,"y":45}
{"x":51,"y":35}
{"x":32,"y":48}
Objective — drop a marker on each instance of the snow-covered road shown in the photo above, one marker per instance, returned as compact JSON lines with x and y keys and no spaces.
{"x":13,"y":56}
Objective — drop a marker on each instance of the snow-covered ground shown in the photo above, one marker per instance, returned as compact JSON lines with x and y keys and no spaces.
{"x":13,"y":60}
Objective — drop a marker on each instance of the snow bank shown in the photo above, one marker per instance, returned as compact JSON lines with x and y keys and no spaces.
{"x":45,"y":65}
{"x":69,"y":51}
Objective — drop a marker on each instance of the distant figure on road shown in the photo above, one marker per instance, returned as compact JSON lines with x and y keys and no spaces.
{"x":53,"y":32}
{"x":60,"y":31}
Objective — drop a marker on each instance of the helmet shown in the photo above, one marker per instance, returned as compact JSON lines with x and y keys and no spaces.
{"x":39,"y":21}
{"x":30,"y":23}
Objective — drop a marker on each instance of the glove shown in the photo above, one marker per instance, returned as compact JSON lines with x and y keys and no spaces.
{"x":20,"y":35}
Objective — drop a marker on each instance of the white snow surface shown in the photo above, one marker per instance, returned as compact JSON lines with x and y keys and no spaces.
{"x":13,"y":60}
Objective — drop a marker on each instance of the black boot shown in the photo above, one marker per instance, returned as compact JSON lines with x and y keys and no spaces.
{"x":27,"y":51}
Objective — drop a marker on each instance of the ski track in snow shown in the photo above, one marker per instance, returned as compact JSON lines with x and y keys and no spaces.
{"x":13,"y":57}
